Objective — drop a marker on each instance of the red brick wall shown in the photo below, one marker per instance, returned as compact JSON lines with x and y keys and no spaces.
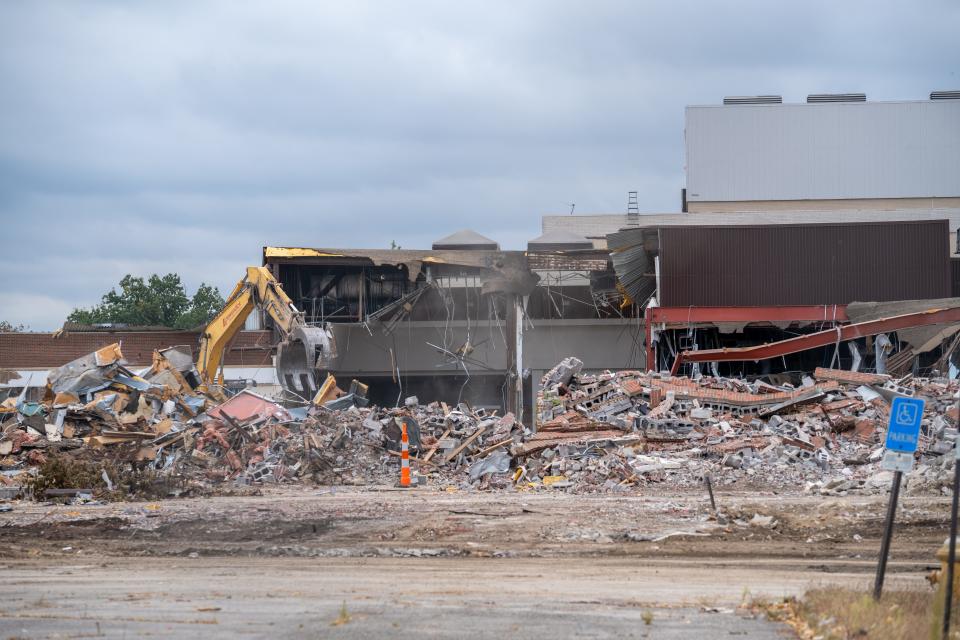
{"x":43,"y":351}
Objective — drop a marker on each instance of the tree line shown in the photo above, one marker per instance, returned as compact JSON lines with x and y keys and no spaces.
{"x":160,"y":301}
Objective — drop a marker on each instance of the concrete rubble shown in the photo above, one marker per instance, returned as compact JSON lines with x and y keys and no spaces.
{"x":597,"y":432}
{"x":614,"y":430}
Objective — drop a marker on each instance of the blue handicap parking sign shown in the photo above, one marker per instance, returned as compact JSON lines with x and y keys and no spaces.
{"x":903,"y":432}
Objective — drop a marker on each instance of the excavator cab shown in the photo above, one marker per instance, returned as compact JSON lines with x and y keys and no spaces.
{"x":302,"y":355}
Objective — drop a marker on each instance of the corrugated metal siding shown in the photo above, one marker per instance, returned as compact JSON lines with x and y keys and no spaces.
{"x":823,"y":151}
{"x":803,"y":264}
{"x":955,"y":277}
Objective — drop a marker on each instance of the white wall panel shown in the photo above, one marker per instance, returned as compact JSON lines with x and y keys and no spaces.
{"x":823,"y":151}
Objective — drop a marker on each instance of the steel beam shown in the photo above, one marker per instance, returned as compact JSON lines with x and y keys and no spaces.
{"x":799,"y":313}
{"x":684,"y":316}
{"x":819,"y":339}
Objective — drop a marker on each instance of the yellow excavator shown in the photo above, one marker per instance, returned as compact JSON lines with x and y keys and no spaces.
{"x":302,"y":352}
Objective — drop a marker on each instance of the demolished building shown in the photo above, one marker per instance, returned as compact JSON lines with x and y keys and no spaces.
{"x":721,"y":288}
{"x":463,"y":320}
{"x":482,"y":325}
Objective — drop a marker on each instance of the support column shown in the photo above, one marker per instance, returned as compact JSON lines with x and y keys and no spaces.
{"x":515,"y":355}
{"x":651,"y":355}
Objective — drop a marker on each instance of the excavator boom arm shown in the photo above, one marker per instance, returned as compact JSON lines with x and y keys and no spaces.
{"x":302,"y":350}
{"x":220,"y":331}
{"x":273,"y":299}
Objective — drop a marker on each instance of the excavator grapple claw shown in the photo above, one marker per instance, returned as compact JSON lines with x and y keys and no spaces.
{"x":305,"y":352}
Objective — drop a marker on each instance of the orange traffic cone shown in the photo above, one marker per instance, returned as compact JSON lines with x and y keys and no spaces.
{"x":404,"y":455}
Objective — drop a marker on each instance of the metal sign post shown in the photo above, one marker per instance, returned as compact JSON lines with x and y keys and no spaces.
{"x":952,"y":554}
{"x":887,"y":534}
{"x":903,"y":435}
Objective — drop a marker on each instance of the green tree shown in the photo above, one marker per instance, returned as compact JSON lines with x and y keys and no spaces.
{"x":156,"y":301}
{"x":205,"y":304}
{"x":7,"y":327}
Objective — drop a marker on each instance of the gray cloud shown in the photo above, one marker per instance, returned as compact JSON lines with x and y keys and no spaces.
{"x":184,"y":136}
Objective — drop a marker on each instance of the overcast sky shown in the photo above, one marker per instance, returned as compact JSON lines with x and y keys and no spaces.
{"x":142,"y":137}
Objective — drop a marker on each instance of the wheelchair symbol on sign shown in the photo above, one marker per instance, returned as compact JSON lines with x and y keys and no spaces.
{"x":907,"y":414}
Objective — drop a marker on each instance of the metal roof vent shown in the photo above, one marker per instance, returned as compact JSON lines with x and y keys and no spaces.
{"x":837,"y":97}
{"x":753,"y":100}
{"x":465,"y":239}
{"x":559,"y":240}
{"x":945,"y":95}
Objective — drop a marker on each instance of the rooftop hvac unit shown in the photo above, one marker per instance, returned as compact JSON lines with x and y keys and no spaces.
{"x":753,"y":100}
{"x":945,"y":95}
{"x":837,"y":97}
{"x":466,"y":240}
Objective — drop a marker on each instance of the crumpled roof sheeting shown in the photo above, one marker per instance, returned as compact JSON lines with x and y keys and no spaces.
{"x":633,"y":267}
{"x":89,"y":372}
{"x":413,"y":259}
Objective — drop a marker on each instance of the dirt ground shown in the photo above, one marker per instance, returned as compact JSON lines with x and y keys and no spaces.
{"x":352,"y":562}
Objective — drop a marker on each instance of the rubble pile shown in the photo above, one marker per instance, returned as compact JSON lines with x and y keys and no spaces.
{"x":95,"y":407}
{"x":610,"y":431}
{"x":162,"y":420}
{"x":614,"y":429}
